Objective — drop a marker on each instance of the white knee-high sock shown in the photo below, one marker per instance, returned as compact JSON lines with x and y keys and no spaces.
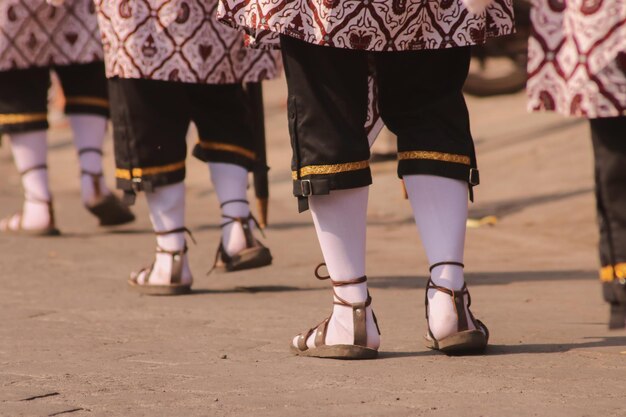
{"x":440,"y":209}
{"x":29,"y":150}
{"x":167,"y":212}
{"x":89,"y":131}
{"x":231,"y":183}
{"x":340,"y":220}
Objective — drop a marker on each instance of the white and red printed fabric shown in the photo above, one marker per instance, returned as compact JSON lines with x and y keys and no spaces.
{"x":373,"y":25}
{"x":36,"y":34}
{"x":178,"y":40}
{"x":577,"y":57}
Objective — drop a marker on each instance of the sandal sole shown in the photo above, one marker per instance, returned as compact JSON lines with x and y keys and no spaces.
{"x":110,"y":212}
{"x":346,"y":352}
{"x":179,"y":289}
{"x":247,"y":259}
{"x":463,"y":343}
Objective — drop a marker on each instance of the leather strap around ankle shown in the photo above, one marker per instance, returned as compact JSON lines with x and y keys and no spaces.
{"x":52,"y":222}
{"x":177,"y":255}
{"x":458,"y":297}
{"x":177,"y":230}
{"x":234,"y":201}
{"x":176,"y":275}
{"x":358,"y":309}
{"x":34,"y":168}
{"x":90,"y":150}
{"x":433,"y":266}
{"x":95,"y":181}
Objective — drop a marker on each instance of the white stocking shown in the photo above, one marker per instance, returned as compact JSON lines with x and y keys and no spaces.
{"x":231,"y":183}
{"x":29,"y":150}
{"x":167,"y":212}
{"x":440,"y":209}
{"x":340,"y":221}
{"x":89,"y":131}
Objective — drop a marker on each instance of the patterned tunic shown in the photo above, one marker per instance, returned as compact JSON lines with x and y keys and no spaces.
{"x":373,"y":25}
{"x":177,"y":40}
{"x":577,"y":57}
{"x":35,"y":34}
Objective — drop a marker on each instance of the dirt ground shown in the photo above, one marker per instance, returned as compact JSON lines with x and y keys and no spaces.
{"x":75,"y":341}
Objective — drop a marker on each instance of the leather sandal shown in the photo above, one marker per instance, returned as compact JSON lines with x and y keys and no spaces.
{"x":109,"y":209}
{"x":49,"y":230}
{"x":615,"y":294}
{"x":254,"y":255}
{"x":465,"y":341}
{"x":176,"y":286}
{"x":357,"y":350}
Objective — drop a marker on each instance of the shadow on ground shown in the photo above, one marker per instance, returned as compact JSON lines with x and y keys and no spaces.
{"x":485,"y":278}
{"x":594,"y":342}
{"x":418,"y":282}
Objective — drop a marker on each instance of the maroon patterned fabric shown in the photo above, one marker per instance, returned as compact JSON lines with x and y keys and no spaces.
{"x":177,"y":40}
{"x":374,"y":25}
{"x":577,"y":57}
{"x":35,"y":34}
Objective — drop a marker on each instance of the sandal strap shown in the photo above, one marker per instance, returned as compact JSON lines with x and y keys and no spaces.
{"x":176,"y":275}
{"x":244,"y":221}
{"x":95,"y":180}
{"x":247,"y":232}
{"x":433,"y":266}
{"x":177,"y":255}
{"x":95,"y":175}
{"x":234,"y":201}
{"x":358,"y":313}
{"x":177,"y":230}
{"x":90,"y":150}
{"x":458,"y":298}
{"x":34,"y":168}
{"x":182,"y":251}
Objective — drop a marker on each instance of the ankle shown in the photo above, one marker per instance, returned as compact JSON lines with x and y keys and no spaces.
{"x":448,"y":276}
{"x":171,"y":242}
{"x":353,"y":293}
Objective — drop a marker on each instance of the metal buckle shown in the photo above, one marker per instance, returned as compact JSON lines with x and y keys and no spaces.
{"x":136,"y":183}
{"x":306,"y":188}
{"x":474,"y":177}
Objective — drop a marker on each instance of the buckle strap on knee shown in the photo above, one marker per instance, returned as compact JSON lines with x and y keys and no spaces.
{"x":133,"y":187}
{"x":305,"y":188}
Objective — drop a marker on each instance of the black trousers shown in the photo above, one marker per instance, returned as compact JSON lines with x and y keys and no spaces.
{"x":24,"y":95}
{"x":419,"y":98}
{"x":150,"y":123}
{"x":609,"y":147}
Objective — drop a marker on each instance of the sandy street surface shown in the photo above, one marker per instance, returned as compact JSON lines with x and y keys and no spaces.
{"x":75,"y":341}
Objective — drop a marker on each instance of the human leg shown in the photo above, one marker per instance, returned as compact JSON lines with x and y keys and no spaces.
{"x":609,"y":145}
{"x":23,"y":117}
{"x":327,"y":111}
{"x":225,"y":128}
{"x":421,"y":101}
{"x":150,"y":122}
{"x":87,"y":108}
